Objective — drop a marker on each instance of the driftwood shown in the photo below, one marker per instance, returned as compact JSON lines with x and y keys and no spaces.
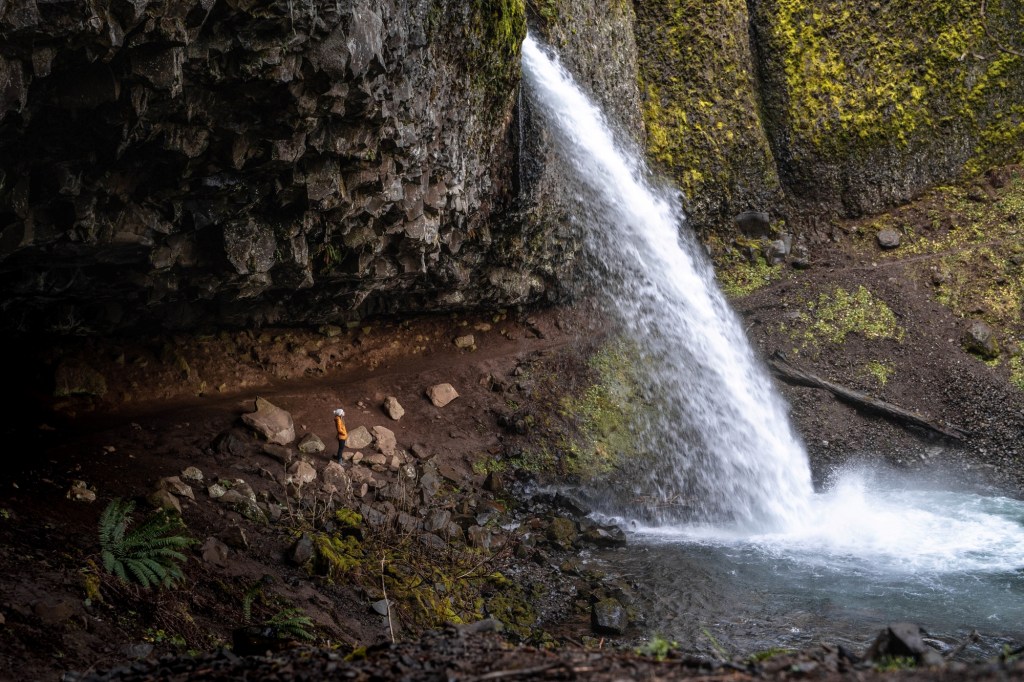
{"x":787,"y":372}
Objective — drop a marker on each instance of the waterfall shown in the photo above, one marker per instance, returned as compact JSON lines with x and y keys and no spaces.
{"x":716,"y":431}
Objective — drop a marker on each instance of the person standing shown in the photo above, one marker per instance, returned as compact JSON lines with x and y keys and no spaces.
{"x":339,"y":424}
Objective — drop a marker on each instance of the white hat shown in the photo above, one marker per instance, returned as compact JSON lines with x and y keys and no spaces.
{"x":340,"y":412}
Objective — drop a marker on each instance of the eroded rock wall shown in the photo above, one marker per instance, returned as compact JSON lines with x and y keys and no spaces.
{"x":179,"y":163}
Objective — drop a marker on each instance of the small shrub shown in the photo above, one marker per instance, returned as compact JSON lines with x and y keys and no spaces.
{"x":147,"y":554}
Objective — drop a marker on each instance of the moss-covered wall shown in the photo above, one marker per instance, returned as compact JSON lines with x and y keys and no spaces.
{"x":812,"y":109}
{"x":700,"y":107}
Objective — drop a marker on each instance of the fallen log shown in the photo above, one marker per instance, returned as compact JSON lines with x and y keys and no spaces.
{"x":791,"y":374}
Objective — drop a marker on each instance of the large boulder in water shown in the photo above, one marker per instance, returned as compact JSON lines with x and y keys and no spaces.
{"x":609,"y":617}
{"x":903,"y":640}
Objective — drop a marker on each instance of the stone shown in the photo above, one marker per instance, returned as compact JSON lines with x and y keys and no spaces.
{"x":480,"y":537}
{"x":214,"y":552}
{"x":421,"y":451}
{"x":229,"y":443}
{"x":888,"y":238}
{"x":466,"y":342}
{"x":980,"y":339}
{"x":280,"y":453}
{"x":382,"y":607}
{"x":301,"y":551}
{"x":192,"y":474}
{"x":311,"y":444}
{"x":271,"y":422}
{"x":437,"y":520}
{"x":164,"y":499}
{"x":903,"y":640}
{"x":393,"y":408}
{"x":234,"y":537}
{"x":334,"y":474}
{"x":175,"y":486}
{"x":605,"y":536}
{"x":385,"y":438}
{"x":236,"y":501}
{"x":359,"y":438}
{"x":609,"y":617}
{"x":301,"y":473}
{"x":375,"y":459}
{"x":562,"y":532}
{"x":442,"y":394}
{"x":137,"y":651}
{"x":81,"y":491}
{"x":216,"y":491}
{"x":493,"y":482}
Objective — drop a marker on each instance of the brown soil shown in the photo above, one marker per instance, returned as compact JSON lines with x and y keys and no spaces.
{"x":167,"y":400}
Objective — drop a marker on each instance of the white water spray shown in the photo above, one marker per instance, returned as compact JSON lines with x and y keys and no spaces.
{"x":723,"y":431}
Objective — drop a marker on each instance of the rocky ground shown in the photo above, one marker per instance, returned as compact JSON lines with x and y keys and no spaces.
{"x":437,"y":516}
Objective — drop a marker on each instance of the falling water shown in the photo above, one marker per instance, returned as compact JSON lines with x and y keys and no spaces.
{"x":728,"y":449}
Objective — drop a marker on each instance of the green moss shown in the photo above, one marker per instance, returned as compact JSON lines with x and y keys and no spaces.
{"x":881,"y":371}
{"x":761,"y":656}
{"x":336,"y":555}
{"x":348,"y":519}
{"x":834,"y":316}
{"x":871,"y":74}
{"x":738,"y":276}
{"x":1017,"y":370}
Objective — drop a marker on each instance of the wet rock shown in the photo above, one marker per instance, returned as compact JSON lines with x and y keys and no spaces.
{"x":903,"y":639}
{"x":981,"y":339}
{"x":393,"y":408}
{"x":605,"y":536}
{"x":359,"y":438}
{"x":562,"y":532}
{"x":271,"y":422}
{"x":311,"y":444}
{"x":888,"y":238}
{"x":442,"y":394}
{"x":609,"y":617}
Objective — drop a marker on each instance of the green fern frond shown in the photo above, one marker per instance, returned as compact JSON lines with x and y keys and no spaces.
{"x":292,"y":622}
{"x":148,"y":553}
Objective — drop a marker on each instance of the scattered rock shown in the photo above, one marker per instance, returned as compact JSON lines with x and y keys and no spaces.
{"x":466,"y":342}
{"x":216,"y":491}
{"x":382,"y":607}
{"x":442,"y":394}
{"x":359,"y":438}
{"x":888,"y":238}
{"x":562,"y":532}
{"x":420,"y":451}
{"x":493,"y":482}
{"x":334,"y":474}
{"x":302,"y":551}
{"x":81,"y":491}
{"x":393,"y":409}
{"x":480,"y":537}
{"x":311,"y":444}
{"x":137,"y":651}
{"x":271,"y":422}
{"x":609,"y":617}
{"x":280,"y":453}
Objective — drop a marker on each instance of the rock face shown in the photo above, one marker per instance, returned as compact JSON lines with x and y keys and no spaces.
{"x":182,"y":162}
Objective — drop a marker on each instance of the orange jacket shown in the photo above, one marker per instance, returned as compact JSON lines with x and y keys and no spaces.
{"x":340,"y":425}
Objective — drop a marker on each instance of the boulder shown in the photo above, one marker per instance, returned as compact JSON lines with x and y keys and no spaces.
{"x":280,"y":453}
{"x":466,"y":342}
{"x":609,"y":617}
{"x":421,"y":451}
{"x":903,"y":640}
{"x":334,"y":474}
{"x":271,"y":422}
{"x":888,"y":238}
{"x":214,"y":552}
{"x":301,"y":551}
{"x":385,"y":440}
{"x":81,"y":491}
{"x":359,"y":438}
{"x":175,"y":486}
{"x":311,"y":444}
{"x":235,"y":537}
{"x":980,"y":339}
{"x":393,"y":408}
{"x":301,"y":473}
{"x":163,"y":499}
{"x":562,"y":532}
{"x":442,"y":394}
{"x":192,"y":474}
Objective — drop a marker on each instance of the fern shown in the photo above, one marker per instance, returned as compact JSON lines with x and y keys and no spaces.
{"x":147,"y":554}
{"x":292,"y":623}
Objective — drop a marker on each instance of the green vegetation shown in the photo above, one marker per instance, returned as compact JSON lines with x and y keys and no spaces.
{"x":893,"y":663}
{"x":739,"y":276}
{"x":292,"y":623}
{"x":1017,"y":369}
{"x":834,"y":316}
{"x":760,"y":656}
{"x":657,"y":648}
{"x":147,"y":554}
{"x":881,"y":371}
